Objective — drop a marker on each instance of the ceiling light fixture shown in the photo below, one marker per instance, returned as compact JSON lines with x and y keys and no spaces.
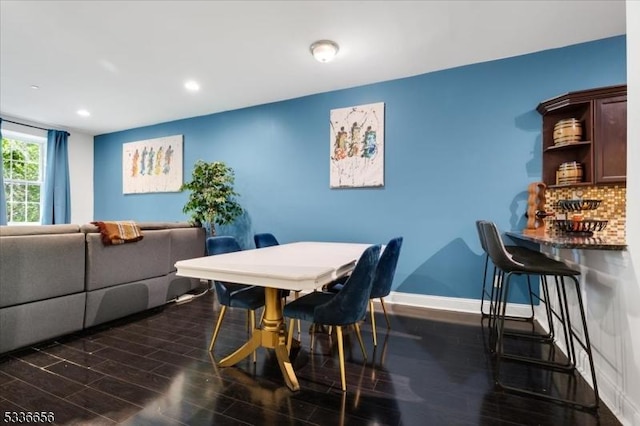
{"x":324,"y":50}
{"x":35,"y":87}
{"x":192,"y":86}
{"x":83,"y":112}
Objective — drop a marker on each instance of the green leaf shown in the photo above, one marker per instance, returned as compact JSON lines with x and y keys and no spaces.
{"x":212,"y":198}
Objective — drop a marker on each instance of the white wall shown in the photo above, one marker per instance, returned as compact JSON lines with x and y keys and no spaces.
{"x":633,"y":197}
{"x":81,"y":177}
{"x":80,"y":166}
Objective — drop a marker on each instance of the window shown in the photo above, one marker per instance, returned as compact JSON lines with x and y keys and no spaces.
{"x":23,"y":159}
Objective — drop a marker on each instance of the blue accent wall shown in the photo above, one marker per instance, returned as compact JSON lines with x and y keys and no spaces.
{"x":460,"y":144}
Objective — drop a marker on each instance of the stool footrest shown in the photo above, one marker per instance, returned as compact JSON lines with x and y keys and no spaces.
{"x":578,"y":405}
{"x":567,"y":367}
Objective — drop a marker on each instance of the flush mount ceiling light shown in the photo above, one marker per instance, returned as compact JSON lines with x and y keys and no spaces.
{"x":83,"y":113}
{"x":324,"y":50}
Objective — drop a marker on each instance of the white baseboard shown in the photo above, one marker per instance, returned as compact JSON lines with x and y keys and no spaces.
{"x":456,"y":304}
{"x":615,"y":399}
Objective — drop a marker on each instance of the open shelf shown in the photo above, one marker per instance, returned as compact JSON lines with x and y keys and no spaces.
{"x":570,"y":145}
{"x":602,"y":152}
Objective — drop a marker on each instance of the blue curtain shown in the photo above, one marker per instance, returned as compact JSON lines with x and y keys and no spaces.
{"x":57,"y":199}
{"x":3,"y":197}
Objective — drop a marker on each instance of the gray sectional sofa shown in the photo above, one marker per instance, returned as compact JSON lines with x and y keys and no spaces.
{"x":58,"y":279}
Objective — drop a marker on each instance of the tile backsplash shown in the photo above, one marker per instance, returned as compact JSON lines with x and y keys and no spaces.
{"x":612,"y":208}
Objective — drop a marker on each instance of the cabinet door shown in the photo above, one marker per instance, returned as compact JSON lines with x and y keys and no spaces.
{"x":610,"y":140}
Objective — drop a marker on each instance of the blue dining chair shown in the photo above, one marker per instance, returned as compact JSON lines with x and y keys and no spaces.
{"x":233,"y":295}
{"x":265,"y":239}
{"x":382,"y":280}
{"x":347,"y":307}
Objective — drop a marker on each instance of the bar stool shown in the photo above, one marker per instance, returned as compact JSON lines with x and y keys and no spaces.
{"x":509,"y":267}
{"x":517,"y":252}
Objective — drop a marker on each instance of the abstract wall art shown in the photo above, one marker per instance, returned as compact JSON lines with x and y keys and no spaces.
{"x":357,"y":146}
{"x":153,"y":165}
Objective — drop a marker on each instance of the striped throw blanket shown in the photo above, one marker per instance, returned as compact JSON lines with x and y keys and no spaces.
{"x":119,"y":232}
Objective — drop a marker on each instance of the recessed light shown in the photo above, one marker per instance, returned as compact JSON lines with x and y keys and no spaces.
{"x":83,"y":112}
{"x":192,"y":86}
{"x":34,"y":87}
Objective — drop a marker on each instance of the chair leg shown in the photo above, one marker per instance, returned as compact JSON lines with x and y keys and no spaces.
{"x":359,"y":336}
{"x":386,"y":316}
{"x":253,"y":326}
{"x":484,"y":287}
{"x":373,"y":323}
{"x":533,"y":312}
{"x":496,"y":305}
{"x":297,"y":294}
{"x":341,"y":355}
{"x":214,"y":335}
{"x":547,"y":301}
{"x":501,"y":314}
{"x":496,"y":285}
{"x":290,"y":334}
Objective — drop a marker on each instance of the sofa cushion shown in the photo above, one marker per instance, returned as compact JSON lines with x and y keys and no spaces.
{"x":115,"y":302}
{"x":164,"y":225}
{"x":186,"y":243}
{"x":37,"y":230}
{"x":30,"y":323}
{"x":90,"y":227}
{"x":38,"y":267}
{"x":112,"y":265}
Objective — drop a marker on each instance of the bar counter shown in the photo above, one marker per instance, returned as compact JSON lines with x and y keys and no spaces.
{"x":594,"y":242}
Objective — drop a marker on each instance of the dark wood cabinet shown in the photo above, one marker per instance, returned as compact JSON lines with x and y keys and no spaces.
{"x":610,"y":154}
{"x":602,"y":149}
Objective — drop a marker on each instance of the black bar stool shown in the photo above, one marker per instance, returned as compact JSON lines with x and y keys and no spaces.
{"x":511,"y":266}
{"x":517,"y":252}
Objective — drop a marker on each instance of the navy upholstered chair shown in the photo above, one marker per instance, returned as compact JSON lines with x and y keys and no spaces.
{"x":382,"y":280}
{"x":347,"y":307}
{"x":265,"y":240}
{"x":233,"y":295}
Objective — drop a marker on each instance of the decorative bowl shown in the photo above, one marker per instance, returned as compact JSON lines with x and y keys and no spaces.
{"x":585,"y":227}
{"x":577,"y":205}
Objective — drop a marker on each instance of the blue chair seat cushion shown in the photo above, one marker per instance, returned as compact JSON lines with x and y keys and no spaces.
{"x":337,"y":285}
{"x":335,"y":288}
{"x":304,"y":307}
{"x":243,"y":296}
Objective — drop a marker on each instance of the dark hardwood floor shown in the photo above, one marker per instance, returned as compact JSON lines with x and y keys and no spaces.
{"x":431,"y":368}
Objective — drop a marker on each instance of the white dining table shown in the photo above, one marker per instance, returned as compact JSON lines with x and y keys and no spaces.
{"x":299,"y":266}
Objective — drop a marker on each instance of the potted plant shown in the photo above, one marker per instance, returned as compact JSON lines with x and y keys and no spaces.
{"x":212,"y":198}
